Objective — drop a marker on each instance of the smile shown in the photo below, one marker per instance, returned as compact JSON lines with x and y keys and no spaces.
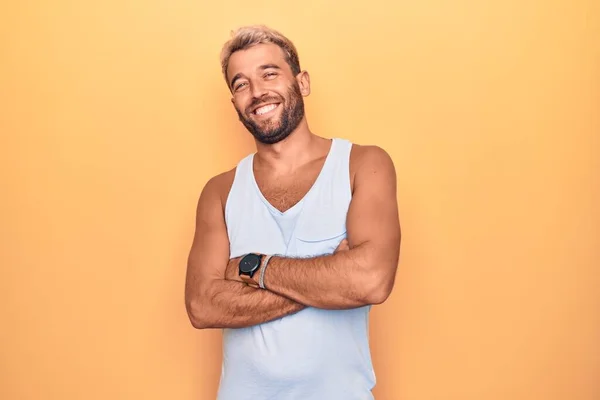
{"x":266,"y":109}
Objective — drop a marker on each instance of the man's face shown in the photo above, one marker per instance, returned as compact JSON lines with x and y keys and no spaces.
{"x":266,"y":94}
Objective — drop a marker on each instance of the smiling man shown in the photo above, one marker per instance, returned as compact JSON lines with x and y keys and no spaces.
{"x":295,"y":244}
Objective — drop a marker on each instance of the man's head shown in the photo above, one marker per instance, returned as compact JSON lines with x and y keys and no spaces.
{"x":262,"y":70}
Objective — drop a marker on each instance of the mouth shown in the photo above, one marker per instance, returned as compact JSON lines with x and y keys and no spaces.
{"x":265,"y":110}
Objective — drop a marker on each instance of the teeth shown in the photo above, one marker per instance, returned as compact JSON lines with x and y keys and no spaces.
{"x":265,"y":109}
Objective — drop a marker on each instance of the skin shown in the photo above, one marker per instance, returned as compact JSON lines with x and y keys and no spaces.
{"x":362,"y":269}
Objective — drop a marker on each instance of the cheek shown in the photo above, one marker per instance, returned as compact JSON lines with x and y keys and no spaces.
{"x":239,"y":106}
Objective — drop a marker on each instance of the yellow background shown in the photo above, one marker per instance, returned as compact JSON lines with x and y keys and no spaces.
{"x":113,"y":115}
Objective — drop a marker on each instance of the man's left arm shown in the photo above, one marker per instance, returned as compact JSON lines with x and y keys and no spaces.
{"x":365,"y":273}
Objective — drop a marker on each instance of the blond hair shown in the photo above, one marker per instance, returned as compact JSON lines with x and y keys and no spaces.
{"x":248,"y":36}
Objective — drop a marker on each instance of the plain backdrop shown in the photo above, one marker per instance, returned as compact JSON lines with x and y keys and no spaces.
{"x":113,"y":115}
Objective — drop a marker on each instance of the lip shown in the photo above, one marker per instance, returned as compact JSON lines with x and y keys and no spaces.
{"x":253,"y":111}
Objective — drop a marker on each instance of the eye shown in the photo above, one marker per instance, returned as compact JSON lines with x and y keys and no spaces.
{"x":239,"y":86}
{"x":270,"y":75}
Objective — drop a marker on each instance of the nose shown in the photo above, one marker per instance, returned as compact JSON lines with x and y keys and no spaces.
{"x":257,"y":90}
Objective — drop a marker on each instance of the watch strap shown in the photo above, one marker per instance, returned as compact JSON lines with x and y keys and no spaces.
{"x":261,"y":277}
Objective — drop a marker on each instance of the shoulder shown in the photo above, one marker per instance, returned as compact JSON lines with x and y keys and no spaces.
{"x":217,"y":188}
{"x":370,"y":155}
{"x":367,"y":160}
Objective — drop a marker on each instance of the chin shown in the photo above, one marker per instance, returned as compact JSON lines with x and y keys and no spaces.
{"x":271,"y":138}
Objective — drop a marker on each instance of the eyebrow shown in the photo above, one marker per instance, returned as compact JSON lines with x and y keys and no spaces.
{"x":267,"y":66}
{"x":262,"y":67}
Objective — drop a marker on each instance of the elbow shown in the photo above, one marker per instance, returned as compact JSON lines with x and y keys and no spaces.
{"x":379,"y":287}
{"x":197,"y":314}
{"x":378,"y":275}
{"x":377,"y":296}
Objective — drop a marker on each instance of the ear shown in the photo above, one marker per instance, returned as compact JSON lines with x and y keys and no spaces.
{"x":303,"y":79}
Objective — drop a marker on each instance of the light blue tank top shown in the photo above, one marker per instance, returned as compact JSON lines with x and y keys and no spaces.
{"x":315,"y":354}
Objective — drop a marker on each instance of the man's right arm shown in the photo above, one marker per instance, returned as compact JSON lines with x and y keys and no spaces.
{"x":211,"y":301}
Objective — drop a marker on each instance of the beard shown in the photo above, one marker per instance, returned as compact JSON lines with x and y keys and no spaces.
{"x":274,"y":131}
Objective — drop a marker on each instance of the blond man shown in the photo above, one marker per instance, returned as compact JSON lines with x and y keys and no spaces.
{"x":295,"y":244}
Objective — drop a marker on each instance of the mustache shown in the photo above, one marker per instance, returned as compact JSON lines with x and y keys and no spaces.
{"x":263,"y":100}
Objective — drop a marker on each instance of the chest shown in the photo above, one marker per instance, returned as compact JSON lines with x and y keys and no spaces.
{"x":314,"y":228}
{"x":283,"y":191}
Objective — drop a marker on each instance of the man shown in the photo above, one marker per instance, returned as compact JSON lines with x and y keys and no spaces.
{"x":294,"y":245}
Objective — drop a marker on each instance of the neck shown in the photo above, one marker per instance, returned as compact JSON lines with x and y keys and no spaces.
{"x":295,"y":150}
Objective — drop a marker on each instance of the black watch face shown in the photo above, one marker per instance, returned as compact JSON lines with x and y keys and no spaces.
{"x":249,"y":263}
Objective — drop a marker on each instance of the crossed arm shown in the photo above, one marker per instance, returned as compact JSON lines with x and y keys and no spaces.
{"x":360,"y":272}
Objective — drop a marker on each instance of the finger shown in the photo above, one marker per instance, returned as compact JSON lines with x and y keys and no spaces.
{"x":343,"y":246}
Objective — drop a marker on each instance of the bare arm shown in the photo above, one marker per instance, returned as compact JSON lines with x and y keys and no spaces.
{"x":365,"y":273}
{"x":211,"y":301}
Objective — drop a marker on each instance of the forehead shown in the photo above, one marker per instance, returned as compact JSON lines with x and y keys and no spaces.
{"x":249,"y":60}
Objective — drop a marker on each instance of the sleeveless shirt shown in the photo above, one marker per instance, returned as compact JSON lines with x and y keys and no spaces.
{"x":314,"y":354}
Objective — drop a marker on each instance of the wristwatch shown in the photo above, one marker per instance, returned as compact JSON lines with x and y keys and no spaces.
{"x":249,"y":265}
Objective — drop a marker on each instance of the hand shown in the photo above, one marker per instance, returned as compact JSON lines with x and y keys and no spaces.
{"x":232,"y":271}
